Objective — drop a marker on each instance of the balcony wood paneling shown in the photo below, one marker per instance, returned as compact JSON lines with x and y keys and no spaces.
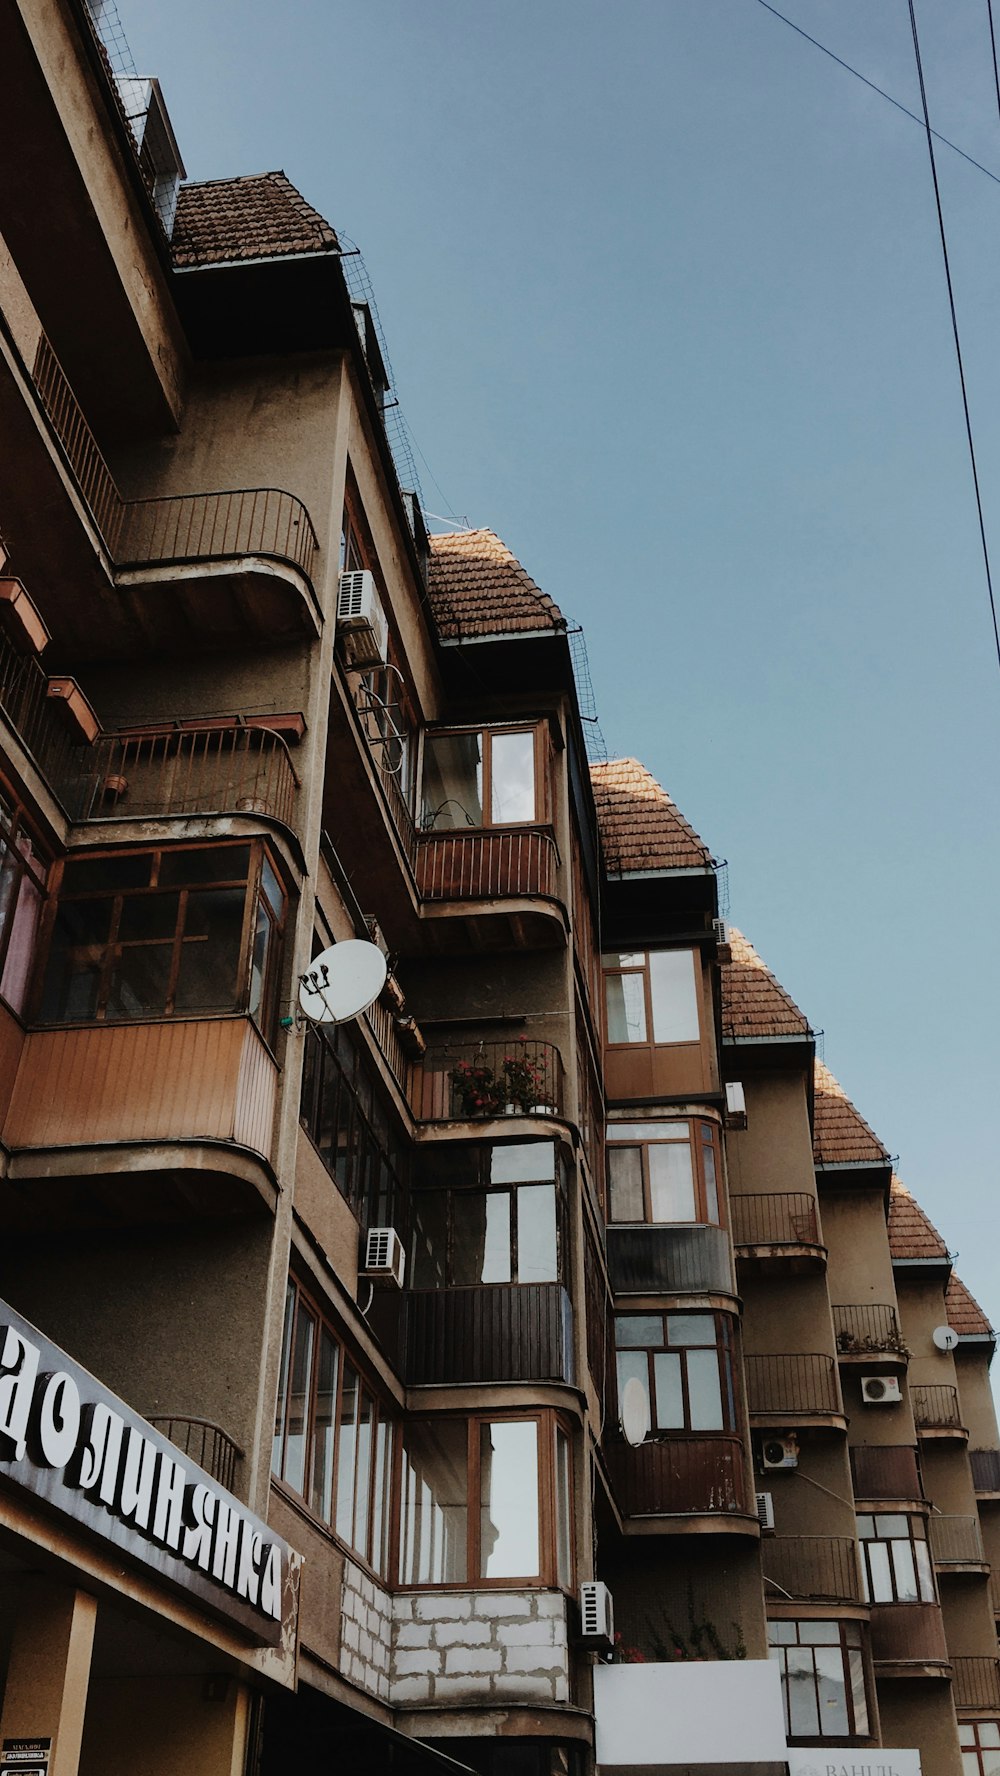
{"x":821,"y":1568}
{"x":798,"y":1385}
{"x":500,"y":1332}
{"x":908,"y":1633}
{"x":669,"y":1260}
{"x":680,"y":1476}
{"x":886,"y":1472}
{"x":206,"y":1079}
{"x":976,"y":1683}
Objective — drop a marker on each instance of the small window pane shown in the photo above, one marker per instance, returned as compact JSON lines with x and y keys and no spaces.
{"x":298,"y":1405}
{"x":362,"y":1488}
{"x":271,"y":887}
{"x":625,"y":1184}
{"x":800,"y":1694}
{"x":536,"y":1234}
{"x":819,"y":1633}
{"x":21,"y":944}
{"x":258,"y":959}
{"x":508,"y":1500}
{"x":453,"y":782}
{"x":430,"y":1240}
{"x":347,"y":1453}
{"x":87,"y":875}
{"x":380,"y":1500}
{"x":208,"y":979}
{"x":866,"y":1526}
{"x":636,"y":1331}
{"x":480,"y":1237}
{"x":970,"y":1763}
{"x":904,"y":1572}
{"x":139,"y":980}
{"x":564,"y":1545}
{"x":648,"y":1131}
{"x":433,"y":1505}
{"x":856,"y":1672}
{"x":711,"y":1181}
{"x":881,"y":1577}
{"x":780,"y":1633}
{"x":512,"y":777}
{"x":989,"y":1734}
{"x":891,"y":1525}
{"x":626,"y":1003}
{"x":833,"y":1715}
{"x":324,"y":1428}
{"x":669,"y":1393}
{"x":690,"y":1329}
{"x":522,"y":1162}
{"x":704,"y":1391}
{"x":633,"y":1365}
{"x":278,"y":1446}
{"x":148,"y":916}
{"x":675,"y":998}
{"x":671,"y":1182}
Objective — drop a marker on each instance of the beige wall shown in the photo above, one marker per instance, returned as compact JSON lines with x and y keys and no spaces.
{"x":786,"y":1314}
{"x":860,"y":1269}
{"x":774,"y":1151}
{"x":978,"y":1405}
{"x":919,"y":1712}
{"x":162,"y":1726}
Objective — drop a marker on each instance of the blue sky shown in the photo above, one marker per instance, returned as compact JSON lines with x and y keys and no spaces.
{"x":664,"y":297}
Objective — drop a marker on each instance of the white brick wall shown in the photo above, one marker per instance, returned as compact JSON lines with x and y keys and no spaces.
{"x":479,"y":1646}
{"x":365,"y":1632}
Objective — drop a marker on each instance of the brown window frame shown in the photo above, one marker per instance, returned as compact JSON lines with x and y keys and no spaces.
{"x":725,"y":1353}
{"x":846,"y":1647}
{"x":611,"y":968}
{"x":456,"y":1192}
{"x":924,"y":1578}
{"x":538,"y":728}
{"x":971,"y":1746}
{"x":15,"y":868}
{"x":696,"y":1142}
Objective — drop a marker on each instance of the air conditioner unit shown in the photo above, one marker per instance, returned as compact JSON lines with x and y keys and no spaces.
{"x":723,"y":939}
{"x":736,"y":1105}
{"x":385,"y":1259}
{"x":597,"y":1616}
{"x":779,"y":1452}
{"x":765,"y":1510}
{"x":880,"y":1390}
{"x":361,"y":621}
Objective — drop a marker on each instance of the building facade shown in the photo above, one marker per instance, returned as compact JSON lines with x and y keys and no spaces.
{"x":647,"y":1324}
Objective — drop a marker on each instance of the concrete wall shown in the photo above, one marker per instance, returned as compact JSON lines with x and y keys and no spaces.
{"x":920,"y":1712}
{"x":774,"y":1151}
{"x":160,"y":1726}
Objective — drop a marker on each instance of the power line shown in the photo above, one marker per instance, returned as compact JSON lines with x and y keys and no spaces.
{"x":881,"y":89}
{"x":954,"y":327}
{"x":993,"y":46}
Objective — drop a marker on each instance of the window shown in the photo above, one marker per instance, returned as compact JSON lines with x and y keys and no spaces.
{"x":488,"y":777}
{"x":980,"y":1742}
{"x":663,"y":1171}
{"x":494,"y":1219}
{"x":896,"y":1560}
{"x":332,"y":1436}
{"x":24,"y":872}
{"x":652,"y":996}
{"x":183,"y":932}
{"x":822,"y":1678}
{"x":684,"y":1362}
{"x":485,"y":1500}
{"x":355,"y":1134}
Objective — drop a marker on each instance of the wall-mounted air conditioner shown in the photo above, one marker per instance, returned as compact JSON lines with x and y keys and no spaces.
{"x":723,"y":938}
{"x":765,"y":1510}
{"x":880,"y":1390}
{"x":385,"y":1259}
{"x":779,"y":1452}
{"x":361,"y":621}
{"x":597,"y":1616}
{"x":736,"y":1105}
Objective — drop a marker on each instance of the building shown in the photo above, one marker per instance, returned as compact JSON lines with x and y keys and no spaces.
{"x":274,"y":1494}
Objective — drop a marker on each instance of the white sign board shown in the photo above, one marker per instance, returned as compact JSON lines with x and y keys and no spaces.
{"x":689,"y":1712}
{"x":881,"y":1762}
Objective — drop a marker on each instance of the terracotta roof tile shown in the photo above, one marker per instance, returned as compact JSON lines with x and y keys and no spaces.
{"x":259,"y":216}
{"x":841,"y":1136}
{"x":754,"y":1004}
{"x":964,"y":1312}
{"x":477,"y":587}
{"x":640,"y":827}
{"x":912,"y":1233}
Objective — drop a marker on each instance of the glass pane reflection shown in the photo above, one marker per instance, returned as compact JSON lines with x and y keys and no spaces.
{"x":508,"y":1500}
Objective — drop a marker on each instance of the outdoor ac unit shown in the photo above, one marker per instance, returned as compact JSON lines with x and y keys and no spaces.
{"x":723,"y":939}
{"x":736,"y":1105}
{"x":361,"y":620}
{"x":765,"y":1510}
{"x":779,"y":1452}
{"x":597,"y":1616}
{"x":880,"y":1390}
{"x":385,"y":1259}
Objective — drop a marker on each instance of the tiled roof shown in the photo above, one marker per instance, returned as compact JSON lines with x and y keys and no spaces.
{"x":477,"y":587}
{"x":259,"y":216}
{"x":841,"y":1135}
{"x":912,"y":1234}
{"x":754,"y":1004}
{"x":640,"y":827}
{"x":964,"y":1312}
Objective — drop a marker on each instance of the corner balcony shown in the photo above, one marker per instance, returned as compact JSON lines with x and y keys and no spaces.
{"x":986,"y":1472}
{"x":491,"y":887}
{"x":817,"y":1569}
{"x":956,"y":1545}
{"x":206,"y":1444}
{"x":936,"y":1414}
{"x":669,"y":1260}
{"x":499,"y":1332}
{"x":869,"y":1332}
{"x":777,"y":1234}
{"x":509,"y":1078}
{"x":976,"y":1684}
{"x":686,"y":1479}
{"x":888,"y":1471}
{"x":796,"y":1390}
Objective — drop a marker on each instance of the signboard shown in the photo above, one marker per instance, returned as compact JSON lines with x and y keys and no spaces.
{"x":725,"y":1711}
{"x":880,"y":1762}
{"x":65,"y":1439}
{"x":25,"y":1757}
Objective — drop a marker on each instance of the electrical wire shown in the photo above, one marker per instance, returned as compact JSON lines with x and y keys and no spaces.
{"x":993,"y":46}
{"x":954,"y":328}
{"x":773,"y":10}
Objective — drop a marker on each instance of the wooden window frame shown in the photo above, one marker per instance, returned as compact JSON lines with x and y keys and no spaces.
{"x":845,"y":1648}
{"x":725,"y":1353}
{"x":456,"y":1193}
{"x":611,"y":969}
{"x":696,"y":1143}
{"x":538,"y":728}
{"x":968,"y":1730}
{"x":884,"y":1541}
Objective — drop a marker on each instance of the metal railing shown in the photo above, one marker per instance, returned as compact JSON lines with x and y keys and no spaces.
{"x":381,"y":1021}
{"x":815,"y":1567}
{"x":680,"y":1476}
{"x":26,"y":704}
{"x":90,"y":470}
{"x":793,"y":1386}
{"x":976,"y":1682}
{"x":205,"y":1443}
{"x":489,"y":1088}
{"x":886,"y":1471}
{"x":502,"y":1332}
{"x":985,"y":1469}
{"x":224,"y":770}
{"x":486,"y":864}
{"x":955,"y":1541}
{"x":785,"y":1218}
{"x":935,"y":1407}
{"x":385,"y":754}
{"x":867,"y":1328}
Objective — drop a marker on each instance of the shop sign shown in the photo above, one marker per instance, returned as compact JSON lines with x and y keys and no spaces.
{"x":882,"y":1762}
{"x":25,"y":1757}
{"x":65,"y":1439}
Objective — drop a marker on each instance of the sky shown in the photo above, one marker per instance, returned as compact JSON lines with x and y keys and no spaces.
{"x":665,"y":301}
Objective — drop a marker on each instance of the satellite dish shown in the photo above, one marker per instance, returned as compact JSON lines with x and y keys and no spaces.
{"x":635,"y":1412}
{"x":945,"y":1337}
{"x":342,"y":982}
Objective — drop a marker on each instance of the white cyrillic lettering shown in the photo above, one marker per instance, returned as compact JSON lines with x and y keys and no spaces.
{"x":100,"y":1451}
{"x":137,"y":1472}
{"x":18,"y":1367}
{"x":270,"y":1582}
{"x":58,"y":1418}
{"x":168,"y":1519}
{"x":200,"y":1503}
{"x":225,"y":1544}
{"x":248,"y":1576}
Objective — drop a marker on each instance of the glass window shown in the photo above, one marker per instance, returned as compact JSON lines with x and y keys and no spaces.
{"x":626,"y":1005}
{"x":980,"y":1742}
{"x":468,"y":1235}
{"x":675,"y":995}
{"x":670,"y":1175}
{"x":508,"y":1499}
{"x":485,"y":778}
{"x":343,"y":1113}
{"x":564,"y":1510}
{"x":896,"y":1563}
{"x":512,"y":778}
{"x":684,"y":1364}
{"x":433,"y":1506}
{"x":653,"y":995}
{"x":537,"y":1255}
{"x":822,"y":1678}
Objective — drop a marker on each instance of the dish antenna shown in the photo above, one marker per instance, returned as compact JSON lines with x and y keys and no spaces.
{"x":635,"y":1412}
{"x":945,"y":1337}
{"x":342,"y":982}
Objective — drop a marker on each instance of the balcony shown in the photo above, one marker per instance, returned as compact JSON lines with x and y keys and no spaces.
{"x":777,"y":1234}
{"x":531,"y":1083}
{"x":204,"y":1443}
{"x":795,"y":1389}
{"x":986,"y":1472}
{"x":29,"y":710}
{"x":500,"y":1332}
{"x":887,"y":1472}
{"x":821,"y":1569}
{"x":976,"y":1684}
{"x":869,"y":1331}
{"x":681,"y":1477}
{"x":504,"y":870}
{"x":936,"y":1414}
{"x":956,"y":1544}
{"x":670,"y":1260}
{"x":908,"y":1637}
{"x":234,"y":768}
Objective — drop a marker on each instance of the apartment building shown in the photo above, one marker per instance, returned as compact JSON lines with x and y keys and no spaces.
{"x":646,"y":1321}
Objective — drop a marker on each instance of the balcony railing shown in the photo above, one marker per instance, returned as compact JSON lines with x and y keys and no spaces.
{"x":908,"y":1633}
{"x":436,"y":1096}
{"x":985,"y":1469}
{"x":493,"y":863}
{"x":387,"y":749}
{"x":680,"y":1476}
{"x":793,"y":1386}
{"x":935,"y":1408}
{"x":27,"y":706}
{"x":867,"y":1329}
{"x":976,"y":1683}
{"x":224,"y":770}
{"x":886,"y":1472}
{"x":93,"y":476}
{"x":669,"y":1260}
{"x":205,"y":1443}
{"x":785,"y":1218}
{"x":814,"y":1567}
{"x":955,"y":1541}
{"x":501,"y":1332}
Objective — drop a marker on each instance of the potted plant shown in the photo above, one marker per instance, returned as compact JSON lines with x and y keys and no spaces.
{"x":524,"y":1081}
{"x":478,"y":1090}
